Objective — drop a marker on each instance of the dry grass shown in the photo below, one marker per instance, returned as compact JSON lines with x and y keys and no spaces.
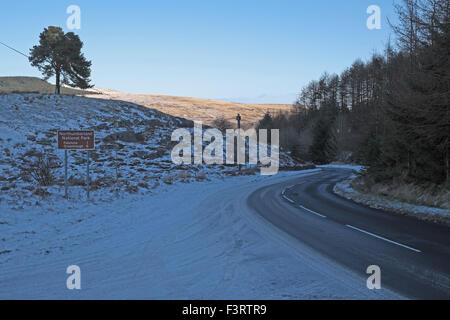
{"x":42,"y":171}
{"x":32,"y":84}
{"x":426,"y":194}
{"x":197,"y":109}
{"x":184,"y":107}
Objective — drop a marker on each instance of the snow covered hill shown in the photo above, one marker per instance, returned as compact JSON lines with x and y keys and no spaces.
{"x":133,"y":145}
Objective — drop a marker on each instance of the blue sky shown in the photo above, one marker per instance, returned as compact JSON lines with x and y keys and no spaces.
{"x":209,"y":49}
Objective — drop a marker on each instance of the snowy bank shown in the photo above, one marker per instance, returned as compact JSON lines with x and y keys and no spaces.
{"x":344,"y":189}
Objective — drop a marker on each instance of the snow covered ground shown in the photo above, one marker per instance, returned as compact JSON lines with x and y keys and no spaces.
{"x":187,"y":241}
{"x":152,"y":230}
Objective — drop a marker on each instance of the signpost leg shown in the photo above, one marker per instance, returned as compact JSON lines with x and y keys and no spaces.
{"x":87,"y":175}
{"x":239,"y":150}
{"x":66,"y":194}
{"x":76,"y":140}
{"x":238,"y":118}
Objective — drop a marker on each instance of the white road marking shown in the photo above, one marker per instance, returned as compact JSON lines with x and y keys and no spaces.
{"x":286,"y":198}
{"x":313,"y":212}
{"x":382,"y":238}
{"x":300,"y":206}
{"x":284,"y":190}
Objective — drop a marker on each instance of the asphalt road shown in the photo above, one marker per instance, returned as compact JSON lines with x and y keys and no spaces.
{"x":414,"y":256}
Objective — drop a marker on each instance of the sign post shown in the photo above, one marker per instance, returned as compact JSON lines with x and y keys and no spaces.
{"x":66,"y":193}
{"x":238,"y":118}
{"x":76,"y":140}
{"x":87,"y":174}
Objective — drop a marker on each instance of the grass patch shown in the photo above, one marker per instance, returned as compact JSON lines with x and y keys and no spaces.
{"x":426,"y":194}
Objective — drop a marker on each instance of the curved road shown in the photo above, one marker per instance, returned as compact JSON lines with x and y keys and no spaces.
{"x":414,"y":256}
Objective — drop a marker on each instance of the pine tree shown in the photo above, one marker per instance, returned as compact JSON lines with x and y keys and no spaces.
{"x":324,"y":147}
{"x":266,"y":122}
{"x":59,"y":54}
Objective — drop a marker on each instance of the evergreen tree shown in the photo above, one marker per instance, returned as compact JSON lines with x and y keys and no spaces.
{"x":323,"y":147}
{"x":266,"y":122}
{"x":59,"y":54}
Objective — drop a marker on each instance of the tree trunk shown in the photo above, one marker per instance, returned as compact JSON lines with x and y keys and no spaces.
{"x":447,"y":163}
{"x":58,"y":80}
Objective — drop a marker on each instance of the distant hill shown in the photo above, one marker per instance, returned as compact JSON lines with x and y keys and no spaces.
{"x":183,"y":107}
{"x":32,"y":85}
{"x":288,"y":98}
{"x":196,"y":109}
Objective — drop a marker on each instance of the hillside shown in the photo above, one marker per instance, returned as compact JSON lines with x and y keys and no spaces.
{"x":184,"y":107}
{"x":196,"y":109}
{"x":133,"y":147}
{"x":32,"y":85}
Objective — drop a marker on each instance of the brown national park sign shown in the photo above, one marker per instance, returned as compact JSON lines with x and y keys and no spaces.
{"x":76,"y":140}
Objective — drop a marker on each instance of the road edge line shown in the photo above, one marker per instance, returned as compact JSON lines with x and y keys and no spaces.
{"x":383,"y":238}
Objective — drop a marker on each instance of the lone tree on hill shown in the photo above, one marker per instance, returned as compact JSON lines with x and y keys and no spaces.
{"x":59,"y":54}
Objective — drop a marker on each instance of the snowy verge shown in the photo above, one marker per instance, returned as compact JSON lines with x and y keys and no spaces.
{"x":353,"y":167}
{"x":438,"y":215}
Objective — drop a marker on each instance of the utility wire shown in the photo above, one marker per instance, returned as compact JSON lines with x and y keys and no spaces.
{"x":14,"y":49}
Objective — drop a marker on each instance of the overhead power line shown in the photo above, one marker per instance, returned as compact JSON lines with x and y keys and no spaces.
{"x":14,"y":49}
